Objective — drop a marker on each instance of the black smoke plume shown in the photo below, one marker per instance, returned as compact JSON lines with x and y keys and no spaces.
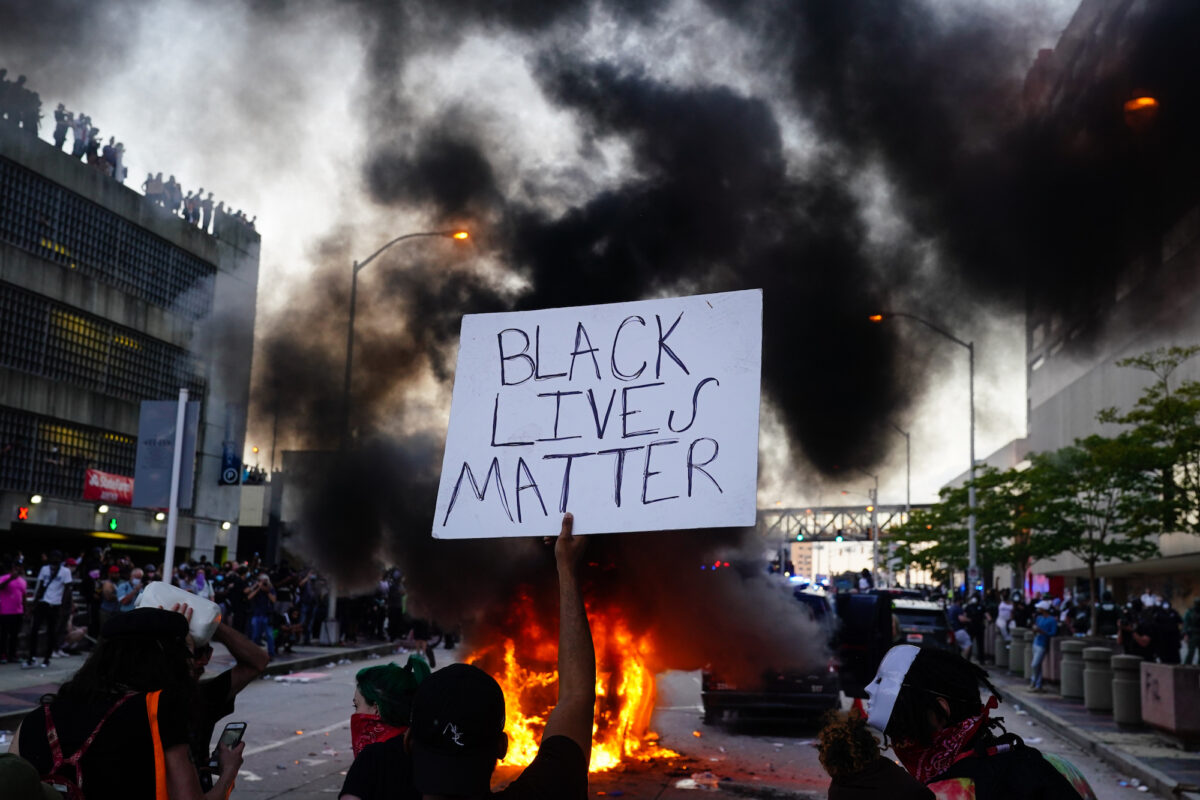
{"x":1002,"y":190}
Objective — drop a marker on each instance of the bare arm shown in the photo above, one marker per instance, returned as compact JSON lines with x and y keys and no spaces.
{"x":184,"y":784}
{"x":572,"y":717}
{"x":251,"y":660}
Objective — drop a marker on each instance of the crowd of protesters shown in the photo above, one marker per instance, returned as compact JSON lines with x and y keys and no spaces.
{"x":138,"y":720}
{"x":194,"y":208}
{"x":1146,"y":625}
{"x":21,"y":108}
{"x":55,"y":606}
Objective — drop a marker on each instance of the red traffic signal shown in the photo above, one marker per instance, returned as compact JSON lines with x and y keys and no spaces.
{"x":22,"y":512}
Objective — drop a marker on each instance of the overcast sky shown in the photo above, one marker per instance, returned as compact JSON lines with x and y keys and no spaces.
{"x":274,"y":107}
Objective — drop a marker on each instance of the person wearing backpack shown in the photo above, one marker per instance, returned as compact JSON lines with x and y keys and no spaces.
{"x":118,"y":728}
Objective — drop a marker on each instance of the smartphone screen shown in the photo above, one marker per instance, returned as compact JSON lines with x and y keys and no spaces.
{"x":229,"y":737}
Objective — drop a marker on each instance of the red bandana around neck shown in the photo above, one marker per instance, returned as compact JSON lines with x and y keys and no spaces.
{"x":949,"y":745}
{"x":368,"y":729}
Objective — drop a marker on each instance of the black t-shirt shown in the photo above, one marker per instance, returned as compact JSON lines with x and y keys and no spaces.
{"x":119,"y":764}
{"x":213,"y":704}
{"x":558,"y":773}
{"x":881,"y":779}
{"x":382,"y":770}
{"x":235,"y":592}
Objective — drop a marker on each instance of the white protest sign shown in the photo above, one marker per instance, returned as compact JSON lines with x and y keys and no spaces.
{"x":634,"y":416}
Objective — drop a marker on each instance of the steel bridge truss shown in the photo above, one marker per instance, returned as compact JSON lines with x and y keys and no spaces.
{"x":827,"y":523}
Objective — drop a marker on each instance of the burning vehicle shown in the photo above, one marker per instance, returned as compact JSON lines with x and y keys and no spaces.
{"x":779,"y":692}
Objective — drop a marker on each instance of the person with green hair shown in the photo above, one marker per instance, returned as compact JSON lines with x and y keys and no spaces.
{"x":382,"y":706}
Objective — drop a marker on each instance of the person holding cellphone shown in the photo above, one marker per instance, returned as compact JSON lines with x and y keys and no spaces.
{"x":127,"y":710}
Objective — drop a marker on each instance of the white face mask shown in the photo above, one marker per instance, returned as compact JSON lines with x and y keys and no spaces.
{"x":883,"y":690}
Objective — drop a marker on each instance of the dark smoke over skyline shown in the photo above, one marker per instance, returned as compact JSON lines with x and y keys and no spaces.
{"x":844,"y":157}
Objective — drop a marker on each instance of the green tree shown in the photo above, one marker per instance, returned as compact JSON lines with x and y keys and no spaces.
{"x":1005,"y":519}
{"x":1097,"y":499}
{"x":1166,"y":420}
{"x":936,"y":538}
{"x":931,"y":539}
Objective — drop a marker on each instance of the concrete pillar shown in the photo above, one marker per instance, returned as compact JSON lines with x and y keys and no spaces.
{"x":1016,"y":651}
{"x":1097,"y":679}
{"x":1000,"y":648}
{"x":1127,"y":690}
{"x":1071,"y":677}
{"x":1028,"y":654}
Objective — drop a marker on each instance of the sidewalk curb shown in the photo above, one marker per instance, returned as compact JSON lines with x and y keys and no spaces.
{"x":9,"y":722}
{"x":333,"y":653}
{"x":1160,"y":782}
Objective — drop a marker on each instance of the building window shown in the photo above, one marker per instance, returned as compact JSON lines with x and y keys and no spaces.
{"x":49,"y":456}
{"x":51,"y":340}
{"x":43,"y":218}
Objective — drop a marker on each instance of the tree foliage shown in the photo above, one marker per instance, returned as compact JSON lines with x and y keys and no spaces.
{"x":1098,"y":499}
{"x":1101,"y":498}
{"x":1166,"y":420}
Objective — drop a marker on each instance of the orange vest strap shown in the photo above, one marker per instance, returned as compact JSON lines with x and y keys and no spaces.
{"x":160,"y":761}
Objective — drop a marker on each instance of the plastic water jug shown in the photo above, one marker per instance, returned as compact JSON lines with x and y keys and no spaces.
{"x":206,"y":615}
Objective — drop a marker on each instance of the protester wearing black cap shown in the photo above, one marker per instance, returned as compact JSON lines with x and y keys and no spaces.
{"x":131,"y":698}
{"x":457,"y":730}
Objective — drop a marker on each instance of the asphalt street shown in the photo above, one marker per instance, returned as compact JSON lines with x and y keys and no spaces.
{"x":298,"y":746}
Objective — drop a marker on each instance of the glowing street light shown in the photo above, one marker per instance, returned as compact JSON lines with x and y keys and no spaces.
{"x":330,"y":633}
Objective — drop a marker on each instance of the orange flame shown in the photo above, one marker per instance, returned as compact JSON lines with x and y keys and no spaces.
{"x":528,"y":676}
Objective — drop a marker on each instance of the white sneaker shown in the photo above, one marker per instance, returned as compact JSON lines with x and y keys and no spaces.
{"x":58,"y":654}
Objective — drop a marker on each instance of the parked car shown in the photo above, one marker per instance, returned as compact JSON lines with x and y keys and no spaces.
{"x":779,"y":694}
{"x":922,"y":623}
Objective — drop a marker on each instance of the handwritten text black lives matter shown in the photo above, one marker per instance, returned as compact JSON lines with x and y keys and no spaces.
{"x":641,"y":358}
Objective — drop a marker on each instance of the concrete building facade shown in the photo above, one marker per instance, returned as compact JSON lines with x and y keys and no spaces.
{"x":107,"y":300}
{"x":1153,"y":301}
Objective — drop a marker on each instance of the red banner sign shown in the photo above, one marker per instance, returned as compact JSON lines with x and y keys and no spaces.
{"x":107,"y":487}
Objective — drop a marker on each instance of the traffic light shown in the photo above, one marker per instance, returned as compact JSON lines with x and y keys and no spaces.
{"x":22,"y":512}
{"x":112,"y":523}
{"x":799,"y":537}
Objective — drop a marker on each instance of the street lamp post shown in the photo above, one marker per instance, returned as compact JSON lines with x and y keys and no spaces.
{"x":907,"y":496}
{"x":330,"y":633}
{"x":972,"y":560}
{"x":873,"y":496}
{"x":358,"y":267}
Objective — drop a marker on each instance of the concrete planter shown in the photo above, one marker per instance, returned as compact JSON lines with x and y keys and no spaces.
{"x":1000,"y":647}
{"x":1070,"y":669}
{"x":1029,"y":636}
{"x":1097,"y":679}
{"x":1127,"y":690}
{"x":1051,"y":670}
{"x":1016,"y":651}
{"x":1170,"y":697}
